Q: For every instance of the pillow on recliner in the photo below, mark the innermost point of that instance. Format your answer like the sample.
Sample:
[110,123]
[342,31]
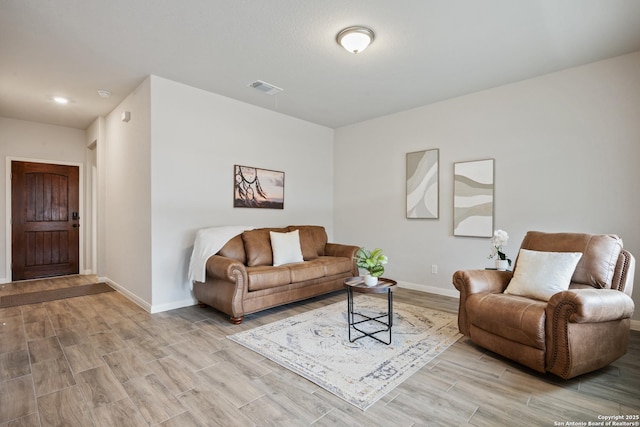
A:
[540,275]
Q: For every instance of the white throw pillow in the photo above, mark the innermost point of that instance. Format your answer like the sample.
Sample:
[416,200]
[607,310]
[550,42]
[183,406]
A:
[285,247]
[539,275]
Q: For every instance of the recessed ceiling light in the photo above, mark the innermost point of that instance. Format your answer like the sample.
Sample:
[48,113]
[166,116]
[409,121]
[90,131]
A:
[61,99]
[104,93]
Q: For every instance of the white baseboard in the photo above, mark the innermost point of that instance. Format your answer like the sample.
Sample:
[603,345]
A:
[144,304]
[173,305]
[130,295]
[4,280]
[635,325]
[430,289]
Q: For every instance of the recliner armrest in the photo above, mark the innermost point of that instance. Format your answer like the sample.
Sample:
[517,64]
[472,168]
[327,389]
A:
[591,305]
[475,281]
[586,329]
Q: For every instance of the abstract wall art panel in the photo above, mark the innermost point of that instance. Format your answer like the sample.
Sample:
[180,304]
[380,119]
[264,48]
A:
[423,184]
[258,188]
[473,198]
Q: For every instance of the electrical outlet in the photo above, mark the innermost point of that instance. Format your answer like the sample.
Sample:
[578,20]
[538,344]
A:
[434,268]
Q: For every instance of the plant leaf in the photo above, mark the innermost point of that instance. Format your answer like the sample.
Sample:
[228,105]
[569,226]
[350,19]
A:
[377,270]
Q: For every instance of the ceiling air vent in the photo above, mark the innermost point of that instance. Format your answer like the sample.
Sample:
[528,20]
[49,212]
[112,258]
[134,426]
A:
[265,87]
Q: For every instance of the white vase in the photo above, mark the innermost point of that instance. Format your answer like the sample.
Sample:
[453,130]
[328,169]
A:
[502,264]
[370,280]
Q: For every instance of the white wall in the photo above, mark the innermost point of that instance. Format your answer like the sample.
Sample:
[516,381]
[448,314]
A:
[566,149]
[197,138]
[124,185]
[34,141]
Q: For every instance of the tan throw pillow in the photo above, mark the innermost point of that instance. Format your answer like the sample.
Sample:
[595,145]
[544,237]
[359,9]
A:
[257,245]
[286,247]
[308,243]
[234,249]
[540,275]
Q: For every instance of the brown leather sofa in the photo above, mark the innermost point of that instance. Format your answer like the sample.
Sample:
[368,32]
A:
[576,331]
[241,278]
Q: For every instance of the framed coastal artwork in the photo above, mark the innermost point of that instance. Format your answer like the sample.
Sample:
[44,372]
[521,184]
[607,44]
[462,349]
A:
[258,188]
[473,188]
[423,188]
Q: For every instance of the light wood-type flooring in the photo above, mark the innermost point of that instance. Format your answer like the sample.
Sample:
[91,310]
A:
[100,360]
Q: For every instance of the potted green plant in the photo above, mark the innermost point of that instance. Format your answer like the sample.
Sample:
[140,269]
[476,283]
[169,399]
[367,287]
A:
[372,261]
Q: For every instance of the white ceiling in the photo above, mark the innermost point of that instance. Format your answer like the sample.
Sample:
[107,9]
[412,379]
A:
[425,51]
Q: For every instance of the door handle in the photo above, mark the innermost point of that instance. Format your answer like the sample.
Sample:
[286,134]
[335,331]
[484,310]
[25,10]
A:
[76,225]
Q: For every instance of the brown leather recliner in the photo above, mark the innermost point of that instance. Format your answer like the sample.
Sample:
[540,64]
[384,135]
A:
[576,331]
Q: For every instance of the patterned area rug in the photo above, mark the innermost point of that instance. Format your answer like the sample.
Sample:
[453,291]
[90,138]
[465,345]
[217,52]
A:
[315,345]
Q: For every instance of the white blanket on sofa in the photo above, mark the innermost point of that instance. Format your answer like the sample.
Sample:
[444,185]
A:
[208,242]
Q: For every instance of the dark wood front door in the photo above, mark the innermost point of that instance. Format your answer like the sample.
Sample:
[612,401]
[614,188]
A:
[45,222]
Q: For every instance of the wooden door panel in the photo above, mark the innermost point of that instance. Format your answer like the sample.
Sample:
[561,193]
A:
[46,197]
[46,247]
[45,234]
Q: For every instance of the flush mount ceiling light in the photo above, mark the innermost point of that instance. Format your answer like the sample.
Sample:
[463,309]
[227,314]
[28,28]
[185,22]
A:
[61,100]
[355,39]
[103,93]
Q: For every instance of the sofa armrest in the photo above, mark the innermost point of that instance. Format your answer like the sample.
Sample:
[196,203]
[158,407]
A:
[347,251]
[475,281]
[223,268]
[336,249]
[225,286]
[590,306]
